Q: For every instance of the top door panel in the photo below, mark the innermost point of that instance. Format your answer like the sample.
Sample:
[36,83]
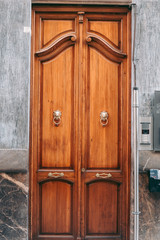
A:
[57,94]
[104,91]
[108,29]
[57,86]
[54,28]
[103,96]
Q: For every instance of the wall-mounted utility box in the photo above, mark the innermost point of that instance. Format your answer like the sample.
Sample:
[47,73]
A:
[146,133]
[157,121]
[154,180]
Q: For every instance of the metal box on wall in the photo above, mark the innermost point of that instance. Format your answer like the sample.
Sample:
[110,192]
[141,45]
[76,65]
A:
[146,133]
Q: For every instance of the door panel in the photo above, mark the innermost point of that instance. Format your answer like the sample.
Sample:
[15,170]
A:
[56,207]
[79,168]
[103,218]
[108,29]
[53,28]
[57,94]
[103,96]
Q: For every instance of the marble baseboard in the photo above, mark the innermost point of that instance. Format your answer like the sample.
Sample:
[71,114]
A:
[150,211]
[149,219]
[14,160]
[13,206]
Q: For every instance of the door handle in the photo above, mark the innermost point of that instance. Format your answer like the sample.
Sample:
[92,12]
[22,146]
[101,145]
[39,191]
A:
[55,175]
[104,118]
[57,117]
[103,175]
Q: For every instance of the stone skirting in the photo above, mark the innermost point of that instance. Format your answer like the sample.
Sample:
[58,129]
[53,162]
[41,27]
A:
[149,219]
[13,206]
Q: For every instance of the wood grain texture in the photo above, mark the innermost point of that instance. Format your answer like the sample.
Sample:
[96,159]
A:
[103,96]
[108,29]
[57,94]
[105,149]
[52,28]
[54,88]
[80,78]
[103,218]
[56,207]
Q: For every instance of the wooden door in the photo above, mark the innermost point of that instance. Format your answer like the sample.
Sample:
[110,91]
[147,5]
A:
[80,123]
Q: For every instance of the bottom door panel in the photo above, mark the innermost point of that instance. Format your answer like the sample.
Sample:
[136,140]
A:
[56,208]
[102,210]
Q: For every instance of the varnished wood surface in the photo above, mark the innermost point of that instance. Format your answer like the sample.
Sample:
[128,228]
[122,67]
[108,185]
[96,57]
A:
[102,219]
[83,8]
[108,30]
[52,28]
[57,94]
[81,66]
[56,196]
[102,141]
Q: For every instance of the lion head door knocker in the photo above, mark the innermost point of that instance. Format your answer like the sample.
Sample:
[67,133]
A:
[57,117]
[104,118]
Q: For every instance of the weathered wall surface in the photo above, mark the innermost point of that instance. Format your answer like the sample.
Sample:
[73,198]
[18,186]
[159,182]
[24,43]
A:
[14,82]
[147,55]
[14,118]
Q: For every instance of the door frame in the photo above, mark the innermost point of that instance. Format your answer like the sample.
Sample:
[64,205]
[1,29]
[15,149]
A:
[120,7]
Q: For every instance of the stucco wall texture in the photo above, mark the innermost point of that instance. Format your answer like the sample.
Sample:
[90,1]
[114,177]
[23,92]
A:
[147,58]
[14,73]
[15,16]
[15,22]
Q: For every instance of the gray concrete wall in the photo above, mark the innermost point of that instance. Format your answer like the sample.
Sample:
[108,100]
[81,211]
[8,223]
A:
[147,55]
[14,83]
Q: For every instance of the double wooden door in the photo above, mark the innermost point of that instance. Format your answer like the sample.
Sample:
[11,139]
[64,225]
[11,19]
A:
[80,123]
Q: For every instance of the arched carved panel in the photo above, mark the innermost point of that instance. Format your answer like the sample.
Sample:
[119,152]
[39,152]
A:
[56,46]
[105,47]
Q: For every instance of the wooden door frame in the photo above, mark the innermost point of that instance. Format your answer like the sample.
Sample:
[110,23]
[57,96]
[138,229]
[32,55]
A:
[123,8]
